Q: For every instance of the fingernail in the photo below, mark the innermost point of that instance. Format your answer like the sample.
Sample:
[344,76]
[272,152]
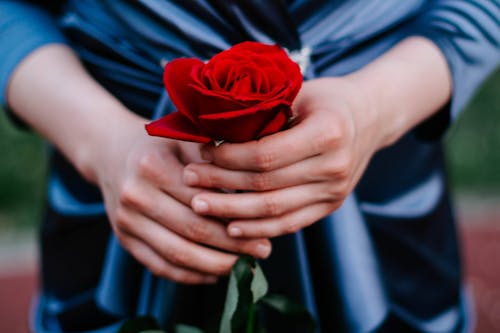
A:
[263,250]
[190,177]
[200,206]
[211,279]
[235,231]
[206,155]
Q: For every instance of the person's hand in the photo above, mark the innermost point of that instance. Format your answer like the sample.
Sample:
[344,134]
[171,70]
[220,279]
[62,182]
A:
[297,175]
[148,206]
[139,176]
[294,177]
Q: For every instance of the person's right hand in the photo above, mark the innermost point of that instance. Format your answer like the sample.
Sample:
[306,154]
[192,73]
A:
[148,206]
[139,176]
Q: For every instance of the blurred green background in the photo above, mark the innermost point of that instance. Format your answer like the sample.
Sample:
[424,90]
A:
[473,150]
[473,144]
[22,176]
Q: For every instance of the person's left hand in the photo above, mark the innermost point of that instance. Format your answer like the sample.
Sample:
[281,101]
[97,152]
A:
[297,176]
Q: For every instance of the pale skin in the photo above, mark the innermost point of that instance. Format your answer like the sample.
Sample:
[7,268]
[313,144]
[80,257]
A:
[170,221]
[295,177]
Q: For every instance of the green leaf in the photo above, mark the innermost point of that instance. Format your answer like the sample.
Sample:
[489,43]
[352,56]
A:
[239,298]
[230,304]
[181,328]
[259,284]
[295,312]
[140,325]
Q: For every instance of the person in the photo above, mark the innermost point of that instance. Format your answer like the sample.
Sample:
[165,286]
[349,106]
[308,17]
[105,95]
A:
[349,206]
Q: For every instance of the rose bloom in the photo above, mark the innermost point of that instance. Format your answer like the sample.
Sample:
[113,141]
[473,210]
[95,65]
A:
[241,94]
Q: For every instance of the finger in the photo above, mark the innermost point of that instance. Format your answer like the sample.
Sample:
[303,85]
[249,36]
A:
[164,171]
[325,167]
[175,249]
[252,205]
[206,231]
[285,224]
[211,176]
[189,152]
[160,267]
[307,138]
[180,219]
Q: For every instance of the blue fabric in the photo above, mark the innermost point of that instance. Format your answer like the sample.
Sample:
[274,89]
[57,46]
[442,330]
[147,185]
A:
[386,261]
[23,28]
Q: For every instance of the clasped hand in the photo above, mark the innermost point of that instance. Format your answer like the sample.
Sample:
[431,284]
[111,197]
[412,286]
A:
[164,201]
[295,177]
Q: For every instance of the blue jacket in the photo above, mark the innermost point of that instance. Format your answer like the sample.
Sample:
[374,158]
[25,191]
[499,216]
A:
[386,261]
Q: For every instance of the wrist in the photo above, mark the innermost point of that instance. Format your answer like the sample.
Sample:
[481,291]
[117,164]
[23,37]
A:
[77,115]
[110,138]
[373,112]
[369,112]
[406,85]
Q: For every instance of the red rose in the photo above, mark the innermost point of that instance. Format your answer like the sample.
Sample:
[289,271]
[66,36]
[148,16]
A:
[241,94]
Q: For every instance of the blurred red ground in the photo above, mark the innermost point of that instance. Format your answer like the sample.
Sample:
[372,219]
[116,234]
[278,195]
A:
[481,250]
[481,246]
[15,297]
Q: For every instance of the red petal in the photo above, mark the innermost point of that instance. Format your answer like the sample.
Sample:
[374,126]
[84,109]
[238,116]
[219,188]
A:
[178,81]
[218,101]
[263,107]
[276,124]
[239,129]
[176,126]
[248,126]
[225,100]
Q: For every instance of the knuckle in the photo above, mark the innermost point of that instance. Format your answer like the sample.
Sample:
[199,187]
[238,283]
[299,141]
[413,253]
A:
[343,190]
[272,206]
[128,194]
[341,173]
[225,209]
[338,191]
[122,221]
[337,130]
[198,231]
[179,257]
[292,227]
[264,159]
[122,239]
[222,156]
[339,168]
[321,142]
[146,165]
[327,139]
[332,193]
[344,166]
[211,179]
[259,181]
[158,270]
[330,171]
